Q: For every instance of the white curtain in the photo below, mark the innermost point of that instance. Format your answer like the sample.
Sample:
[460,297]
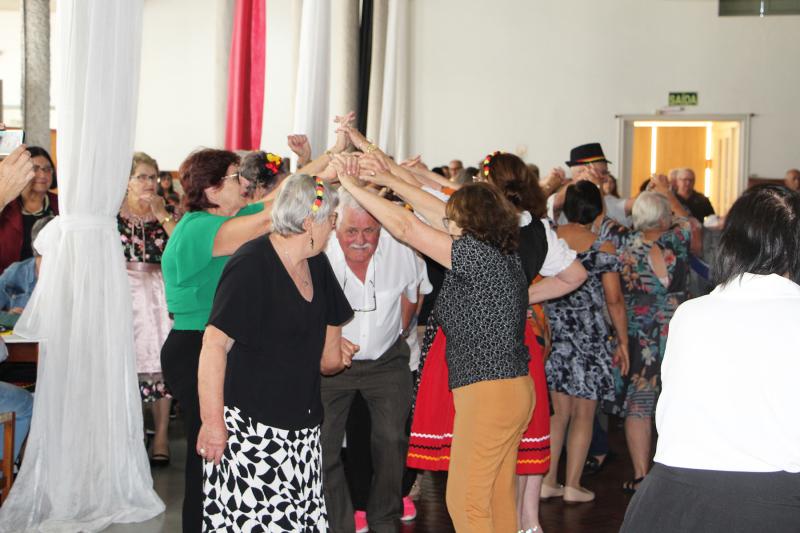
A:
[377,62]
[392,132]
[311,113]
[85,466]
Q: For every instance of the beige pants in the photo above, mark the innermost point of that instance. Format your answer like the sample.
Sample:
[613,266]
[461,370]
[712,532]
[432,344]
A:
[491,417]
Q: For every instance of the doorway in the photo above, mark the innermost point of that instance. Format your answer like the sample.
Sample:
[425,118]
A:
[714,147]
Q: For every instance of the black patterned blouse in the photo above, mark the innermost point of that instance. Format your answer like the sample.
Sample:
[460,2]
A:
[481,308]
[143,238]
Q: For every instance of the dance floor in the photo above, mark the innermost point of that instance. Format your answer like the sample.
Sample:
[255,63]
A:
[604,515]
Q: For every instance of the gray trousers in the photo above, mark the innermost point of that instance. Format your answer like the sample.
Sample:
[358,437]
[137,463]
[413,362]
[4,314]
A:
[385,384]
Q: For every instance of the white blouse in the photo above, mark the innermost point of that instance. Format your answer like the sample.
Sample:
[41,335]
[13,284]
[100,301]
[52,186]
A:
[730,399]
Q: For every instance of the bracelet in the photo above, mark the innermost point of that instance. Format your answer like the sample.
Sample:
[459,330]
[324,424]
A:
[371,147]
[166,219]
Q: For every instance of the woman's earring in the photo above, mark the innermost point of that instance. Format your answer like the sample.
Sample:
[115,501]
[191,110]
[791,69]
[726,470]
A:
[312,242]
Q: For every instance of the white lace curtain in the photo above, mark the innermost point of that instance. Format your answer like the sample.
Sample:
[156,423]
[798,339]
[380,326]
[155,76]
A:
[85,466]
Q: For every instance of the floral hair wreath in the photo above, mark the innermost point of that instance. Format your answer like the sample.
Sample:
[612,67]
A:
[319,193]
[273,163]
[487,163]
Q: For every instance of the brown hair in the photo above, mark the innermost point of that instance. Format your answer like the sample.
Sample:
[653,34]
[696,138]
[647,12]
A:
[203,169]
[513,177]
[141,158]
[481,210]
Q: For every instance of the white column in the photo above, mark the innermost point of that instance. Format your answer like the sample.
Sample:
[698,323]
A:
[36,72]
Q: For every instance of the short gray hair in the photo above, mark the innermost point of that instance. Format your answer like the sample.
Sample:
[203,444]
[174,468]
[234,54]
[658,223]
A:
[346,200]
[293,205]
[650,211]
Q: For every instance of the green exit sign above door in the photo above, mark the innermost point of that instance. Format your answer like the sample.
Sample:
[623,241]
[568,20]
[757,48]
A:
[682,99]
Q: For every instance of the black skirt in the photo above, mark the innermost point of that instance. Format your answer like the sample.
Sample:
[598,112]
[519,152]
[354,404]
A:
[706,501]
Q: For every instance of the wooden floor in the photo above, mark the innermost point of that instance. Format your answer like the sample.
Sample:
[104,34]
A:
[604,515]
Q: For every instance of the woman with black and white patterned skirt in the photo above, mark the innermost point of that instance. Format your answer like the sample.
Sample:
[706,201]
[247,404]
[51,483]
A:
[274,326]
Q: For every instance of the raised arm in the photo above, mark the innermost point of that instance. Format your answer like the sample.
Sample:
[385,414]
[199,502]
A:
[660,184]
[16,171]
[299,145]
[432,179]
[427,205]
[402,223]
[342,140]
[213,435]
[236,231]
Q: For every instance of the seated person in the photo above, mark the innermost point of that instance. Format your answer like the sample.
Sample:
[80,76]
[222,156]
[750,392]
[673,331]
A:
[20,402]
[20,214]
[18,280]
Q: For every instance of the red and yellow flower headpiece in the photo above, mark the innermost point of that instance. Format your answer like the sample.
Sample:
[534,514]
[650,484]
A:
[487,163]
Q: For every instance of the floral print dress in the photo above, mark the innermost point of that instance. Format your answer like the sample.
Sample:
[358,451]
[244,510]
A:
[143,241]
[650,303]
[580,360]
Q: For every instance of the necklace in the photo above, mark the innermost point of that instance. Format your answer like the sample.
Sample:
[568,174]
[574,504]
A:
[294,273]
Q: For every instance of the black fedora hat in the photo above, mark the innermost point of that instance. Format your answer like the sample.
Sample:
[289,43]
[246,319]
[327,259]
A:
[585,154]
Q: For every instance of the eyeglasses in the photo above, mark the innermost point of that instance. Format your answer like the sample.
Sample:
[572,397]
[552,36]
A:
[235,175]
[141,178]
[371,284]
[46,169]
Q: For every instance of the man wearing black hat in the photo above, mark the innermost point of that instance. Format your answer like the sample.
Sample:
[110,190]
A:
[588,162]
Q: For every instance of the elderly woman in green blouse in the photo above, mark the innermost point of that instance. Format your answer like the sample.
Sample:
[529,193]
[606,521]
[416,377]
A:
[217,222]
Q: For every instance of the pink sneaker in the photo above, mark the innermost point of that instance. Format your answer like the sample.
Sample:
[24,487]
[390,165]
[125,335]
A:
[360,518]
[409,510]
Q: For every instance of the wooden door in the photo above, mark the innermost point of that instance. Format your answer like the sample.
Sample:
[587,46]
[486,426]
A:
[725,166]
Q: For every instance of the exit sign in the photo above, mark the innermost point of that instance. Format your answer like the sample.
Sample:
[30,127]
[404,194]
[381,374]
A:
[682,99]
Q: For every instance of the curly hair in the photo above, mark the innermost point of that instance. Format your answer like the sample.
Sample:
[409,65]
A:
[483,212]
[204,168]
[518,183]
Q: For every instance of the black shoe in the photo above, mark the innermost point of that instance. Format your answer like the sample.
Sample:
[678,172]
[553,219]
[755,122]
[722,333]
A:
[594,466]
[629,487]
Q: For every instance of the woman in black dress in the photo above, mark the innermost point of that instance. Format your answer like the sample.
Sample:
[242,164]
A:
[275,324]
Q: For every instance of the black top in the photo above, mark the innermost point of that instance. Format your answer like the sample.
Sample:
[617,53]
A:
[532,248]
[481,308]
[698,205]
[28,221]
[436,273]
[272,373]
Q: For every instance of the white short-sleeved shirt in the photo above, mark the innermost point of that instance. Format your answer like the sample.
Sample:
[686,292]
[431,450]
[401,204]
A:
[392,272]
[559,254]
[730,399]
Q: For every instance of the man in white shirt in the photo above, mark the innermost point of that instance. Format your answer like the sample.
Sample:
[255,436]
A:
[380,278]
